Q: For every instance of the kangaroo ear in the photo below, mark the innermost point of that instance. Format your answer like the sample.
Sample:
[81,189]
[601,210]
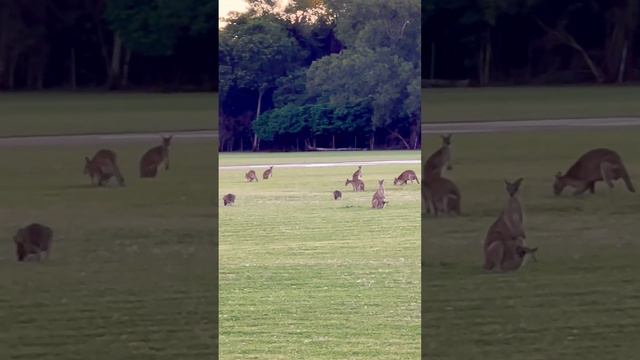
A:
[559,175]
[518,181]
[506,182]
[87,159]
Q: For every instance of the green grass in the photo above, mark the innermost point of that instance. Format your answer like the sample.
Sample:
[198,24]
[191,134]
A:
[131,274]
[580,300]
[248,158]
[61,113]
[521,103]
[305,277]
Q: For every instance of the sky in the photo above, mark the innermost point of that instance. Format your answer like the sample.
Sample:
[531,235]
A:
[227,6]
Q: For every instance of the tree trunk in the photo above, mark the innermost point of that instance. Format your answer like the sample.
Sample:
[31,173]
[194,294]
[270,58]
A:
[125,68]
[114,69]
[333,141]
[623,62]
[72,70]
[484,65]
[395,133]
[371,141]
[255,136]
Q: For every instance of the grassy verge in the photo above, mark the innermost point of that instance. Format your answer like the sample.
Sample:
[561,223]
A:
[305,277]
[522,103]
[579,301]
[25,114]
[131,269]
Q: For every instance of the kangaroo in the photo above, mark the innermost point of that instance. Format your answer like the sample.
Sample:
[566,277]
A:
[504,244]
[251,176]
[358,185]
[103,167]
[358,174]
[154,157]
[33,239]
[512,214]
[441,159]
[380,190]
[407,175]
[593,166]
[377,201]
[441,195]
[229,199]
[337,195]
[267,173]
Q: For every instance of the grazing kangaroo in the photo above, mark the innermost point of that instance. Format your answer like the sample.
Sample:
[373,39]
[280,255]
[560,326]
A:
[33,239]
[337,195]
[407,175]
[229,199]
[593,166]
[441,195]
[441,159]
[103,167]
[154,157]
[504,244]
[251,176]
[358,174]
[358,185]
[267,173]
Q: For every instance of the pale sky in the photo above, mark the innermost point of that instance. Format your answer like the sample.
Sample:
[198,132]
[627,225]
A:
[227,6]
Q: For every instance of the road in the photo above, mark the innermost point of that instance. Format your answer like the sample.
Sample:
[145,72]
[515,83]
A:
[529,125]
[104,138]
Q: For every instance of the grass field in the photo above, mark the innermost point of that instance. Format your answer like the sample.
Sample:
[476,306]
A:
[579,301]
[521,103]
[131,274]
[305,277]
[80,113]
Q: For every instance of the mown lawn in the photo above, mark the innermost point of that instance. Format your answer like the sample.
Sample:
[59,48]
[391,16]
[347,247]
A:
[579,301]
[522,103]
[131,274]
[62,113]
[305,277]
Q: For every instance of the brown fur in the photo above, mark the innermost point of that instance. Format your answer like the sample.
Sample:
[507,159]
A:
[337,195]
[251,176]
[357,174]
[593,166]
[229,199]
[103,167]
[504,245]
[154,157]
[267,173]
[358,185]
[439,160]
[407,175]
[33,239]
[441,195]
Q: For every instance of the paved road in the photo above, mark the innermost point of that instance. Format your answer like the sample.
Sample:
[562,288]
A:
[316,165]
[529,125]
[104,138]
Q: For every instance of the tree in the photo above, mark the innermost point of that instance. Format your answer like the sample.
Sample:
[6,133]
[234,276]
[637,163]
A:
[254,54]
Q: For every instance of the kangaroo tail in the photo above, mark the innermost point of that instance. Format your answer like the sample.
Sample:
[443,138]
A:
[625,176]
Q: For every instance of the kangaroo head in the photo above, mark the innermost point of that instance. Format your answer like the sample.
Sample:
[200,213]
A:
[166,141]
[446,140]
[395,181]
[380,182]
[348,182]
[558,184]
[512,188]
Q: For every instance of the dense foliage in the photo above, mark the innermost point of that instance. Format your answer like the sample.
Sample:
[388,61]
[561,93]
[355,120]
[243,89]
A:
[160,44]
[531,41]
[321,74]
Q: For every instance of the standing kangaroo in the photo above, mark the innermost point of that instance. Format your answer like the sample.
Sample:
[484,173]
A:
[358,185]
[593,166]
[229,199]
[251,176]
[103,167]
[33,239]
[441,159]
[377,201]
[358,174]
[267,173]
[407,175]
[154,157]
[504,244]
[441,195]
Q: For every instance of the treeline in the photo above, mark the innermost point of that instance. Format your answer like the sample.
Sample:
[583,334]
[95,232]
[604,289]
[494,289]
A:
[321,74]
[150,44]
[531,41]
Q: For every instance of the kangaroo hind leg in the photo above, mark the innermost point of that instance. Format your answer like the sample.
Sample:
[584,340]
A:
[607,170]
